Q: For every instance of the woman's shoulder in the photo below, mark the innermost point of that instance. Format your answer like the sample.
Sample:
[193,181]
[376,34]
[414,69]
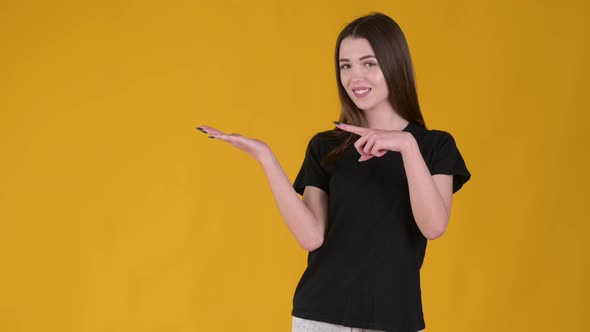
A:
[439,134]
[330,136]
[438,141]
[431,135]
[325,141]
[432,139]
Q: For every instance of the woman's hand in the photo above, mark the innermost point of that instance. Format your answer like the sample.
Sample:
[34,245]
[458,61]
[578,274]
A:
[376,142]
[253,147]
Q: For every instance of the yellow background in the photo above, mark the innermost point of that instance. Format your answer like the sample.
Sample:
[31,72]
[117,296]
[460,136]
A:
[117,215]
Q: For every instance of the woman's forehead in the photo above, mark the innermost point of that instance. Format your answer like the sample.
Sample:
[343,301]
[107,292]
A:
[355,48]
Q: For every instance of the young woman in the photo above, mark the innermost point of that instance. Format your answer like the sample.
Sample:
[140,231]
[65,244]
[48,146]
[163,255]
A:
[375,189]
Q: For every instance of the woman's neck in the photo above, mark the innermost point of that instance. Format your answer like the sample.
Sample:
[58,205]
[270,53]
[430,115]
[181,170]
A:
[384,118]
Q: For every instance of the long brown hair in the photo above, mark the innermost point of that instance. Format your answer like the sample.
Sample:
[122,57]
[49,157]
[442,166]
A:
[393,54]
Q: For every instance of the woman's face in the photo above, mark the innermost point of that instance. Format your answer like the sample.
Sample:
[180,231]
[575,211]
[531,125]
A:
[361,75]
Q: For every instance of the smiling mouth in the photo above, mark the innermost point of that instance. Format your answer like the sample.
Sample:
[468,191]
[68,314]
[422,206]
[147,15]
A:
[360,93]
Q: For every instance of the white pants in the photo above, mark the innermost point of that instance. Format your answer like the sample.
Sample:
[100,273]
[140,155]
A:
[306,325]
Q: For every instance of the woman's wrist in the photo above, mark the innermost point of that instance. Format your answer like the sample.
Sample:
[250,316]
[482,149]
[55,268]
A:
[410,145]
[265,157]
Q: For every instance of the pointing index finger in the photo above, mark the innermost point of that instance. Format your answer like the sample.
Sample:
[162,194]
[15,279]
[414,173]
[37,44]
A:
[350,128]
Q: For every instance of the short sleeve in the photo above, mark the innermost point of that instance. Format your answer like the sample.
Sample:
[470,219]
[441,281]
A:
[311,172]
[446,159]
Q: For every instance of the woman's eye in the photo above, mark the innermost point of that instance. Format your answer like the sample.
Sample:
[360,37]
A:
[370,64]
[345,66]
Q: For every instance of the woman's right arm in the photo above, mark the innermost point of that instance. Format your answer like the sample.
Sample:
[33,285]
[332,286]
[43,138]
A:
[306,219]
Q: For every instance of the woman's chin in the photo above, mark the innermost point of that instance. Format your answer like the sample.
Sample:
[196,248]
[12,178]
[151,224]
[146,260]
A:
[363,107]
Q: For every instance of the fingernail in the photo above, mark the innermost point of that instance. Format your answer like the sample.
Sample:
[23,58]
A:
[200,129]
[336,122]
[211,137]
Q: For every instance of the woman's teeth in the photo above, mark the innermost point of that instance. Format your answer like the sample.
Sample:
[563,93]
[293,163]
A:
[362,92]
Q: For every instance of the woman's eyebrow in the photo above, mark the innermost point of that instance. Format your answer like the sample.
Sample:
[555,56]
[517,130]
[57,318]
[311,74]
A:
[361,58]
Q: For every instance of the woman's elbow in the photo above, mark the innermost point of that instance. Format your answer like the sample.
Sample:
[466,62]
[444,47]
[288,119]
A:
[312,244]
[435,232]
[434,235]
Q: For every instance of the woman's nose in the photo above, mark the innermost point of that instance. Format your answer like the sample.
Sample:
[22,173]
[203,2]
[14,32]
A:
[357,73]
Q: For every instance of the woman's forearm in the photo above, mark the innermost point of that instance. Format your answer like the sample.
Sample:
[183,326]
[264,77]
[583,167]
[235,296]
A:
[298,217]
[428,206]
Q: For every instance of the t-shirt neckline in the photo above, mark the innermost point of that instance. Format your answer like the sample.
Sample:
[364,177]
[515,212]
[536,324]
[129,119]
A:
[407,128]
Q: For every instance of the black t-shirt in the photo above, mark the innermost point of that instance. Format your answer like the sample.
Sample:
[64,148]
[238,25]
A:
[366,274]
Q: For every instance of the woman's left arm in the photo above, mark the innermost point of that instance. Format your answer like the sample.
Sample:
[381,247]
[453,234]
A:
[431,196]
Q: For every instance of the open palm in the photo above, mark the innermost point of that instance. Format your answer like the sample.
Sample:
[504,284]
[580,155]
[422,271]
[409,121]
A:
[255,148]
